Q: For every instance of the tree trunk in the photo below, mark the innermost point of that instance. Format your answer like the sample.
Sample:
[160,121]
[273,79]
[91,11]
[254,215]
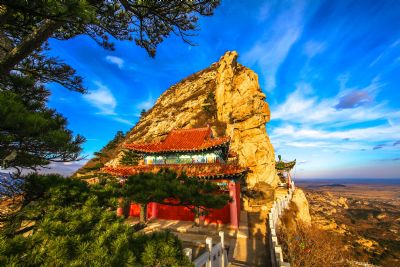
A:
[143,213]
[32,42]
[197,216]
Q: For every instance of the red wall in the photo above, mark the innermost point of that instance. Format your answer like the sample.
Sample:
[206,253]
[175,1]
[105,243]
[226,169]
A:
[134,210]
[181,213]
[174,213]
[220,216]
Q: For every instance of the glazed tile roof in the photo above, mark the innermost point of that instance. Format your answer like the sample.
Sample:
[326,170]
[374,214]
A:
[182,140]
[206,170]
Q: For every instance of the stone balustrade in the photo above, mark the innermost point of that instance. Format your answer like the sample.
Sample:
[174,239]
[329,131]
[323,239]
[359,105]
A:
[275,213]
[215,256]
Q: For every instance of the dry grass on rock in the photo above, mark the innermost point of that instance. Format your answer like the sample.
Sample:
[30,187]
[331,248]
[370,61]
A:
[309,246]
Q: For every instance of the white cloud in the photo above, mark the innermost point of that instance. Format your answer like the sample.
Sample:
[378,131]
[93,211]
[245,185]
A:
[125,121]
[116,60]
[105,102]
[370,134]
[387,53]
[63,168]
[271,51]
[313,48]
[302,144]
[303,107]
[102,99]
[310,122]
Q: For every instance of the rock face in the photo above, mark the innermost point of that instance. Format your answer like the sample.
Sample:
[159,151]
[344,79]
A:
[302,209]
[225,96]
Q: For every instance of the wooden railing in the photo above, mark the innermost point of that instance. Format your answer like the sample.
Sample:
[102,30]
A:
[277,210]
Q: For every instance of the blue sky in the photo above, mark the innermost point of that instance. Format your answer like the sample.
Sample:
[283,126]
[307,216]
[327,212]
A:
[330,70]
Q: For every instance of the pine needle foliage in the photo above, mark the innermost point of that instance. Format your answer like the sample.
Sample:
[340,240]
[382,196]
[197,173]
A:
[198,195]
[35,134]
[28,24]
[130,158]
[74,224]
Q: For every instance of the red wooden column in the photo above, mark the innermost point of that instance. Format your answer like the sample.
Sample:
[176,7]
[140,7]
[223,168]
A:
[238,200]
[234,205]
[154,210]
[133,209]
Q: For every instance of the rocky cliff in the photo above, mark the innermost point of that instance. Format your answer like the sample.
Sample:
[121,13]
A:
[225,96]
[302,211]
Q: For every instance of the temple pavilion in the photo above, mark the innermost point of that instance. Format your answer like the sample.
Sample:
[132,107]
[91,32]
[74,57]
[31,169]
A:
[283,169]
[199,154]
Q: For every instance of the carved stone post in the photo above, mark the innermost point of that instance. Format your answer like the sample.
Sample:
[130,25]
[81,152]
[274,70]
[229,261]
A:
[222,236]
[209,248]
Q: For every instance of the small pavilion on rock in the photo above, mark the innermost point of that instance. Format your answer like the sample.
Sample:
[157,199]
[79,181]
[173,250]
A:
[199,154]
[283,170]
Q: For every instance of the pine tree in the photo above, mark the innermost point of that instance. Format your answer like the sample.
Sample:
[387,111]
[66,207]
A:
[29,131]
[69,225]
[118,138]
[197,195]
[144,188]
[148,22]
[130,158]
[142,113]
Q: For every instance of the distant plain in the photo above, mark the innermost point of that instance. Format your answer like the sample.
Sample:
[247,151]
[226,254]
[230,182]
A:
[366,212]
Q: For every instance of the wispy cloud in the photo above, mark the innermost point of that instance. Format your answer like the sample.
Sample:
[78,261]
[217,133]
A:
[146,104]
[116,60]
[377,133]
[303,162]
[342,122]
[388,53]
[272,49]
[63,168]
[348,107]
[102,99]
[380,146]
[264,12]
[354,99]
[313,48]
[124,121]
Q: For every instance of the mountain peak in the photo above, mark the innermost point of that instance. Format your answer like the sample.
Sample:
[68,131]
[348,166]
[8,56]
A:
[225,96]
